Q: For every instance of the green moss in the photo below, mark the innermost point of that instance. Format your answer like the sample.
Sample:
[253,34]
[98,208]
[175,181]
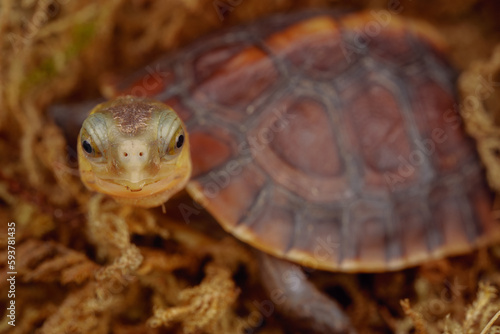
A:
[42,73]
[82,35]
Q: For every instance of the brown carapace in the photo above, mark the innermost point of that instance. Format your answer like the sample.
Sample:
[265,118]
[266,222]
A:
[332,141]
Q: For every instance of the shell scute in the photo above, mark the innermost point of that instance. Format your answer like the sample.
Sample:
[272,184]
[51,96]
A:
[211,148]
[240,185]
[448,213]
[441,139]
[272,222]
[369,233]
[322,238]
[412,217]
[301,144]
[221,90]
[300,156]
[382,135]
[311,46]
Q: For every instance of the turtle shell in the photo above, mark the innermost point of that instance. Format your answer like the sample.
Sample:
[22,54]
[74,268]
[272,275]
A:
[333,141]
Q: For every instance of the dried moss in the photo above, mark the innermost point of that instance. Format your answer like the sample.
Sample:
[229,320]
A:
[88,265]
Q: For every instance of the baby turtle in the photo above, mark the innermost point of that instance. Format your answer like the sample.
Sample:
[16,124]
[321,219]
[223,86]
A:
[331,141]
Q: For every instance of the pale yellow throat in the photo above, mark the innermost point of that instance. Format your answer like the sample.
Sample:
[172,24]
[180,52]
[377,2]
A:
[135,150]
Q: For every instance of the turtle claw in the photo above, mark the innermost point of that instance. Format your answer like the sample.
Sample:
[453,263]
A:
[299,300]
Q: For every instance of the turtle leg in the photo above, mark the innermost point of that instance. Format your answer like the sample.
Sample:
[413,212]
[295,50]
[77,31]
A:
[299,300]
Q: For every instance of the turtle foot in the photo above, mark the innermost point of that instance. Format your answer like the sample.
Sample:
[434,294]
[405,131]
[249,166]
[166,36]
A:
[299,301]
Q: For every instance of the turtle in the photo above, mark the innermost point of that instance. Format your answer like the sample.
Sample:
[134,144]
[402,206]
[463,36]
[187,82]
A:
[327,139]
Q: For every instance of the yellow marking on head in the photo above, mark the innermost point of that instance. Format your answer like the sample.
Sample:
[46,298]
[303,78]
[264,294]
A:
[135,150]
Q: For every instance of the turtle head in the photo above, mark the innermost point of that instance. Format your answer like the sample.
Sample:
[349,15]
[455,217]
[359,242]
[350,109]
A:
[135,150]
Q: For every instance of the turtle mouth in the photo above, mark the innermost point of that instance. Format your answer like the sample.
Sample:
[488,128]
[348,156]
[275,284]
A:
[123,188]
[134,189]
[139,189]
[134,186]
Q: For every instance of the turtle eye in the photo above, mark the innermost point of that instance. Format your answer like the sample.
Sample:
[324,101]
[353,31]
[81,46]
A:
[176,142]
[170,134]
[179,141]
[93,136]
[89,146]
[170,147]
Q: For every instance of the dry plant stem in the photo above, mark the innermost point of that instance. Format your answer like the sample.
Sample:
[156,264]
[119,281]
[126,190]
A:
[6,6]
[482,309]
[204,307]
[490,323]
[479,318]
[479,121]
[415,317]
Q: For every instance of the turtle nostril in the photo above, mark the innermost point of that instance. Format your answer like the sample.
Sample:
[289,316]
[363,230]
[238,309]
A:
[140,154]
[125,154]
